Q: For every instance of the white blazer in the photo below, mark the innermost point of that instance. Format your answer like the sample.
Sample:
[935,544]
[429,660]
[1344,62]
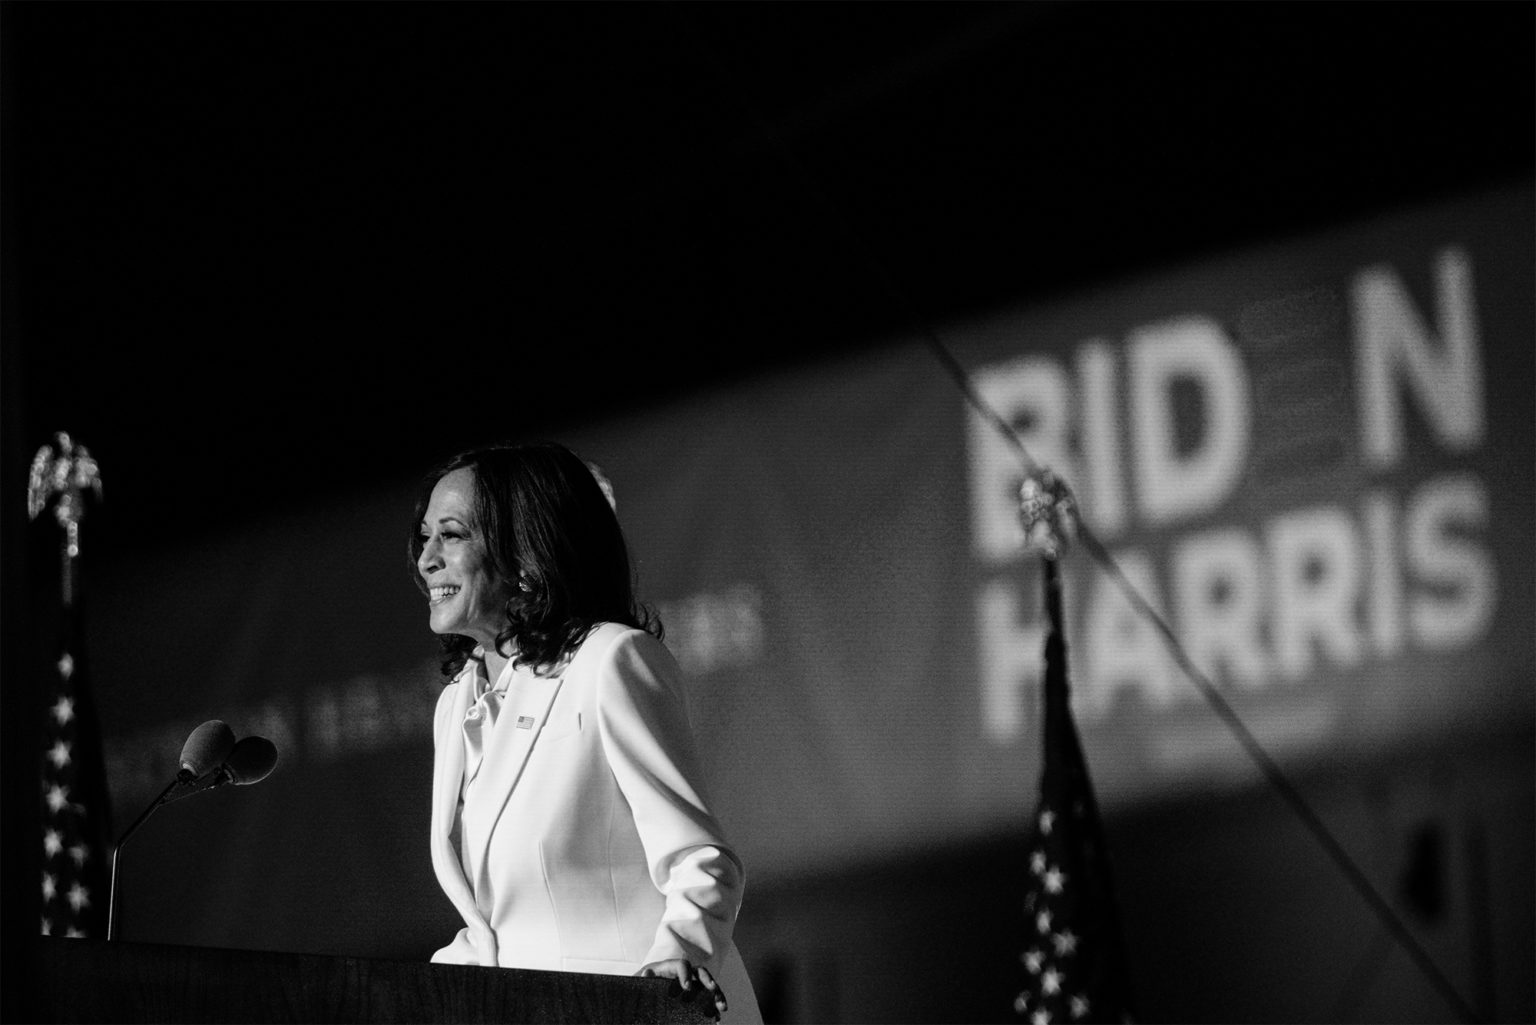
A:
[589,843]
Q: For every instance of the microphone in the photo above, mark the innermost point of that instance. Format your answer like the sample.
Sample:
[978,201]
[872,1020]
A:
[252,761]
[210,758]
[208,746]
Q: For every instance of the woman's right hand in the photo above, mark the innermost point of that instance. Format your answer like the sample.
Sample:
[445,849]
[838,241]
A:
[685,974]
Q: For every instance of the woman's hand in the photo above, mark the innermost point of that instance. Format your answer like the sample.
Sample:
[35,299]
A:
[686,976]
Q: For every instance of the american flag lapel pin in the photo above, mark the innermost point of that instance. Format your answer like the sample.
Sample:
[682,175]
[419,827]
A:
[525,722]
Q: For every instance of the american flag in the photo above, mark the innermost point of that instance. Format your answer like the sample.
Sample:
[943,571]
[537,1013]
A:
[1072,959]
[75,813]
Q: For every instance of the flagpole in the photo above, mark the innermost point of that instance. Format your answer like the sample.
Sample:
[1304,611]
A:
[1074,967]
[72,783]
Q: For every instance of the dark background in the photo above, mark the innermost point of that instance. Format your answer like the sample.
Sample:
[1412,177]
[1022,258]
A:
[257,253]
[268,237]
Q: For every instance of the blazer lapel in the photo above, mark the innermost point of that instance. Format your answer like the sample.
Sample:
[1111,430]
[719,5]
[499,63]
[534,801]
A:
[448,772]
[503,764]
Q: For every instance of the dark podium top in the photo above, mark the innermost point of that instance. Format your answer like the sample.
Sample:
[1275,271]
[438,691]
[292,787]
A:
[96,981]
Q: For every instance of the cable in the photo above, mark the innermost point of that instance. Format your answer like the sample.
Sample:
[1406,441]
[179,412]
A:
[1277,779]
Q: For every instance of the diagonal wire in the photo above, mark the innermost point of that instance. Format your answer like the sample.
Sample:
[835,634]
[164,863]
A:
[1250,744]
[1277,779]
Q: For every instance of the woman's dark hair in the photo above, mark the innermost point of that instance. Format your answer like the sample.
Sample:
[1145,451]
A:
[545,522]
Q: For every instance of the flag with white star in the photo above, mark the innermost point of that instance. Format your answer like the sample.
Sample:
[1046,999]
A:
[75,814]
[1072,960]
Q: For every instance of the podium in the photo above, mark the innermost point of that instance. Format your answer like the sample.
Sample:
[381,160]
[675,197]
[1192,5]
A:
[95,981]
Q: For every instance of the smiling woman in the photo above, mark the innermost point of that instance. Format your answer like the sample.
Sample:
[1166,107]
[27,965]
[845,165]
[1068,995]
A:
[567,720]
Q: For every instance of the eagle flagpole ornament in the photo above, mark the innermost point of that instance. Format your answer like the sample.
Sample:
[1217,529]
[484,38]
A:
[74,793]
[1048,513]
[63,477]
[1072,958]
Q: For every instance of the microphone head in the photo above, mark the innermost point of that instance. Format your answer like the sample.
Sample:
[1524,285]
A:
[206,749]
[251,761]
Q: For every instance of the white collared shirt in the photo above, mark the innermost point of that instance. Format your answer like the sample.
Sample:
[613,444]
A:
[480,718]
[479,733]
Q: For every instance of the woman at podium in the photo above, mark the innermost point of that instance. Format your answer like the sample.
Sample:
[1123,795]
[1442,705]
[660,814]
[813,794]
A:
[570,825]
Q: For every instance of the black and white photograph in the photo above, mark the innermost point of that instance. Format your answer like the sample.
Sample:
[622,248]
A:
[768,512]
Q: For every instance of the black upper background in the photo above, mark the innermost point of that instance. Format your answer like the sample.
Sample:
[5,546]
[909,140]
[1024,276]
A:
[257,252]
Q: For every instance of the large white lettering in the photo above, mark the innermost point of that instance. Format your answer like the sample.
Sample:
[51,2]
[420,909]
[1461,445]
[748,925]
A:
[1455,603]
[1393,347]
[1316,567]
[1011,651]
[1173,484]
[1308,592]
[1385,607]
[1124,650]
[1099,416]
[1217,578]
[1074,428]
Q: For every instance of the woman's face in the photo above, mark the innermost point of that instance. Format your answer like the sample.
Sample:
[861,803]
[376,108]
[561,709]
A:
[465,594]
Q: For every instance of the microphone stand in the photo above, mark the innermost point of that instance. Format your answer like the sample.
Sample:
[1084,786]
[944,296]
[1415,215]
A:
[184,785]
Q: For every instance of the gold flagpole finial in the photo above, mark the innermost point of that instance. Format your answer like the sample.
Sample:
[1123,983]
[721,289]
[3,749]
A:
[62,474]
[1047,512]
